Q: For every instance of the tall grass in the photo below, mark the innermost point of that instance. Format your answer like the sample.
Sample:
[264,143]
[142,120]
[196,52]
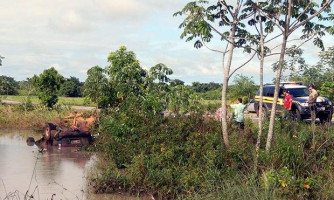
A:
[77,101]
[182,157]
[16,117]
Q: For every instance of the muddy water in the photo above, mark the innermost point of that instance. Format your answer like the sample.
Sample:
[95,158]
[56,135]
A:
[60,174]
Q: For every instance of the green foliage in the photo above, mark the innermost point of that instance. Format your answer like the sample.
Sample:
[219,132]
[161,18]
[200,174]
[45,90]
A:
[124,79]
[205,87]
[26,87]
[97,88]
[71,87]
[182,99]
[181,157]
[47,85]
[327,90]
[203,19]
[125,74]
[309,74]
[156,88]
[160,72]
[8,86]
[28,117]
[176,82]
[152,160]
[212,94]
[321,75]
[244,87]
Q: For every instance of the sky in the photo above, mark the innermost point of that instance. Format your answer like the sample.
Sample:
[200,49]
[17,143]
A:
[75,35]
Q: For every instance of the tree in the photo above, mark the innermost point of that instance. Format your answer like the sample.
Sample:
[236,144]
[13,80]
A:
[310,74]
[26,87]
[205,87]
[71,87]
[47,85]
[226,21]
[125,74]
[156,85]
[243,87]
[327,90]
[8,86]
[160,72]
[176,82]
[97,87]
[327,60]
[289,16]
[182,99]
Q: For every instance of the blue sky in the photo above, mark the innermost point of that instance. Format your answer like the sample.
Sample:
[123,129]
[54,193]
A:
[73,36]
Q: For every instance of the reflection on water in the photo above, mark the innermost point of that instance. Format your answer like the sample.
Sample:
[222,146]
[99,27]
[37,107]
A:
[57,173]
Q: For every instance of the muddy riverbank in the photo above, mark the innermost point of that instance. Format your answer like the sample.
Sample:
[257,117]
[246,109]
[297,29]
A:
[61,174]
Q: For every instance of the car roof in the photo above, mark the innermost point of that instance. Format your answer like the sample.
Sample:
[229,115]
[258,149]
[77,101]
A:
[287,86]
[294,86]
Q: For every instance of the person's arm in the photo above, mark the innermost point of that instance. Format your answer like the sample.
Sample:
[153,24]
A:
[290,103]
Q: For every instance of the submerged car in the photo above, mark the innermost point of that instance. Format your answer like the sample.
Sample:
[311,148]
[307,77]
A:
[64,135]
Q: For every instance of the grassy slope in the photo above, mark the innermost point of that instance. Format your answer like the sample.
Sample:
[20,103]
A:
[15,117]
[78,101]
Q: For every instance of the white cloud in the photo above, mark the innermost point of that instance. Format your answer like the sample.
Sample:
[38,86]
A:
[78,34]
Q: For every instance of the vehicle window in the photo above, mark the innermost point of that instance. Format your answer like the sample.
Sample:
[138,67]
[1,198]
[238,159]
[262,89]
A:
[298,92]
[280,94]
[265,91]
[270,91]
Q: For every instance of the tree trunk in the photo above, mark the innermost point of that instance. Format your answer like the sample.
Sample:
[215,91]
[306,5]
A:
[258,142]
[277,83]
[227,68]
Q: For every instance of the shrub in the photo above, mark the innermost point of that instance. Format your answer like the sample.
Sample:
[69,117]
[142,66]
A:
[182,157]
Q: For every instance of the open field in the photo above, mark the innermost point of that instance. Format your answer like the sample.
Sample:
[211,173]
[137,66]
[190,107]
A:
[78,101]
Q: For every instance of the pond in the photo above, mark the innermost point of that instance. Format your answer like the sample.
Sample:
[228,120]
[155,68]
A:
[52,174]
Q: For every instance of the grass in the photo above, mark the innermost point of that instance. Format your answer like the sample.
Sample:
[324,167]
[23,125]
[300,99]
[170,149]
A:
[78,101]
[15,117]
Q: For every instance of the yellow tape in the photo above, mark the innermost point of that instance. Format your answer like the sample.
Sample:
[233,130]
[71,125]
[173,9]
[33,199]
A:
[269,100]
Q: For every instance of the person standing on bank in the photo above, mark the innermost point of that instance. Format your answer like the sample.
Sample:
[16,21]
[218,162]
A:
[238,113]
[287,102]
[312,99]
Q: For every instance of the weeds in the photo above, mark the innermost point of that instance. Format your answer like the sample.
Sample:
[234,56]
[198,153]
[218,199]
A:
[18,117]
[181,157]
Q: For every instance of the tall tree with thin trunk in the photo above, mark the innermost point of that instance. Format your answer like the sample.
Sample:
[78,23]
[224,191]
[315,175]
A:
[289,16]
[263,31]
[258,19]
[226,21]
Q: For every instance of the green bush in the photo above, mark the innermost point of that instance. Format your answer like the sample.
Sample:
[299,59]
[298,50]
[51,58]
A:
[182,157]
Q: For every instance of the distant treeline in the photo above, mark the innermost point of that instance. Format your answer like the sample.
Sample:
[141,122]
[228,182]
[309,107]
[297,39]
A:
[70,87]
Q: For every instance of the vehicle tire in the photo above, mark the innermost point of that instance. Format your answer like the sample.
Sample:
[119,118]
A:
[296,115]
[84,141]
[325,118]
